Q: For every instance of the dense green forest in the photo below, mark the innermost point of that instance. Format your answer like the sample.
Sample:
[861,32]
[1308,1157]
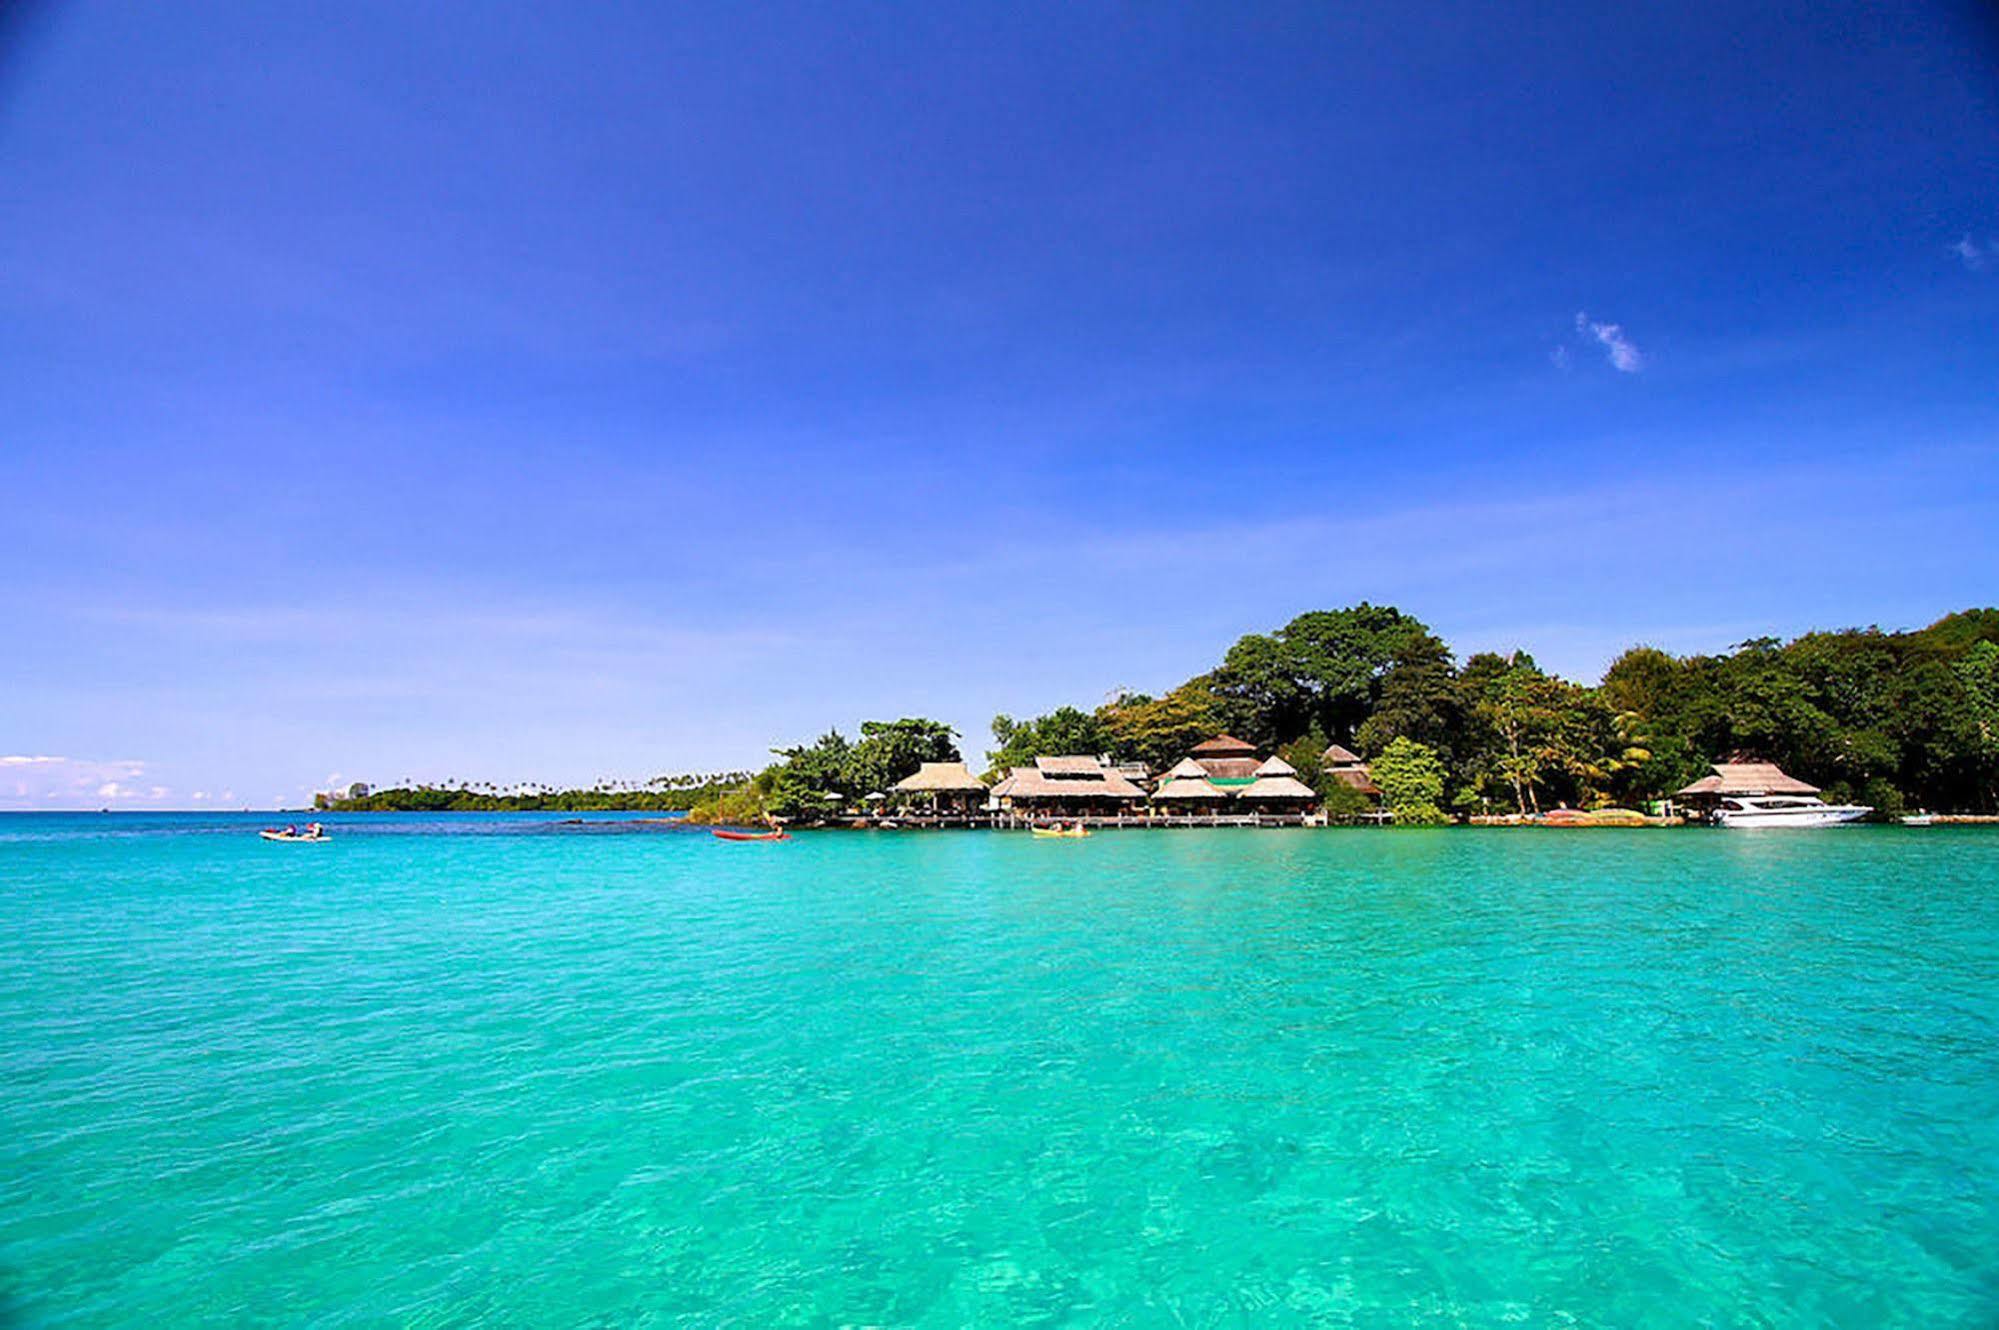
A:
[1890,719]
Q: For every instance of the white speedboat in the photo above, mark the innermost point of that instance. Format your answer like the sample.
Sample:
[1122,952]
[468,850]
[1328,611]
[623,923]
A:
[1786,810]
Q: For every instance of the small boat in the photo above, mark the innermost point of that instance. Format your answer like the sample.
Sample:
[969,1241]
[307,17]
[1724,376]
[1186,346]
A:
[1061,833]
[1786,810]
[297,836]
[1601,817]
[721,834]
[1920,819]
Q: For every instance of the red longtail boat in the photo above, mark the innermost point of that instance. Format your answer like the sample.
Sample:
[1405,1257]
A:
[752,835]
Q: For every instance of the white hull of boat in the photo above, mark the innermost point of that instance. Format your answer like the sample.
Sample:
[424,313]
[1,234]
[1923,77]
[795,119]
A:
[1827,815]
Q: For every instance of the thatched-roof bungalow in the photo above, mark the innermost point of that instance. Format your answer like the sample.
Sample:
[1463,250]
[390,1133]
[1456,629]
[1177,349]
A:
[1189,794]
[1277,789]
[1069,786]
[1344,765]
[947,787]
[1735,779]
[1226,760]
[1225,774]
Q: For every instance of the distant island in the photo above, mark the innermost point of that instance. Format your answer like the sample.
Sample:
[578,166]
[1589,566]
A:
[665,794]
[1369,714]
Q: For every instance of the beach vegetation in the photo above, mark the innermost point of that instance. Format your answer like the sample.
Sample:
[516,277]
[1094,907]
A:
[1065,730]
[813,782]
[1341,802]
[1411,777]
[1158,731]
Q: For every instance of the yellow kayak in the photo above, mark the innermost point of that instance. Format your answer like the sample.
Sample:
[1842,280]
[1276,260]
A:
[1049,833]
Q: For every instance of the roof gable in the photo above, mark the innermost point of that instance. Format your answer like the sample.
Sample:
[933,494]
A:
[1731,778]
[1230,768]
[943,778]
[1279,787]
[1070,765]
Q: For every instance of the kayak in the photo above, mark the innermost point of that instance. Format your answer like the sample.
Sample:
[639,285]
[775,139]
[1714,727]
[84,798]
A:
[752,835]
[288,836]
[1074,833]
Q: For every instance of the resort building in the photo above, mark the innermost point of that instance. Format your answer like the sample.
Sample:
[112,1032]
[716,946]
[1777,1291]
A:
[1344,765]
[1224,776]
[1277,789]
[1737,779]
[1226,761]
[1135,772]
[1071,786]
[1187,789]
[944,787]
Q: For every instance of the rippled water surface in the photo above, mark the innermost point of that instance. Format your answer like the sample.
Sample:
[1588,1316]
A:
[460,1071]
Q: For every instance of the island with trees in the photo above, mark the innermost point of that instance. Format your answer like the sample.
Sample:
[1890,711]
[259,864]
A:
[1897,720]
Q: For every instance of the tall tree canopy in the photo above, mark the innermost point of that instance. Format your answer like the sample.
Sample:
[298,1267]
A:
[1159,730]
[1325,668]
[1063,730]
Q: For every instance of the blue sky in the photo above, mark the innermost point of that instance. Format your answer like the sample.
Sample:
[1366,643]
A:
[558,392]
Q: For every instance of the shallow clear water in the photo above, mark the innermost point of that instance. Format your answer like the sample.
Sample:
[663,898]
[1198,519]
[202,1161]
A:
[482,1070]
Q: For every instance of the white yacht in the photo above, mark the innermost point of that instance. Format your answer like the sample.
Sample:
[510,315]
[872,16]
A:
[1785,810]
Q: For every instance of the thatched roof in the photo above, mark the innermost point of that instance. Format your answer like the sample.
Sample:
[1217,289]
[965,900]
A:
[1035,783]
[1188,787]
[1336,756]
[1356,776]
[1739,778]
[1224,745]
[1279,787]
[942,778]
[1230,768]
[1276,766]
[1187,766]
[1068,766]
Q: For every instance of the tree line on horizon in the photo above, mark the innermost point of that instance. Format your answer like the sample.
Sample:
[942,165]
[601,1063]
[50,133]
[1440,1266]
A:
[1891,719]
[666,794]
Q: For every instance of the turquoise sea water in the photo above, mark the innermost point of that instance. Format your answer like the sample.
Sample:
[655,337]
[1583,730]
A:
[488,1071]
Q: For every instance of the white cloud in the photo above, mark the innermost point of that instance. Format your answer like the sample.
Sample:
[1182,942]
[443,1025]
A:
[77,782]
[1559,358]
[1622,352]
[1969,253]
